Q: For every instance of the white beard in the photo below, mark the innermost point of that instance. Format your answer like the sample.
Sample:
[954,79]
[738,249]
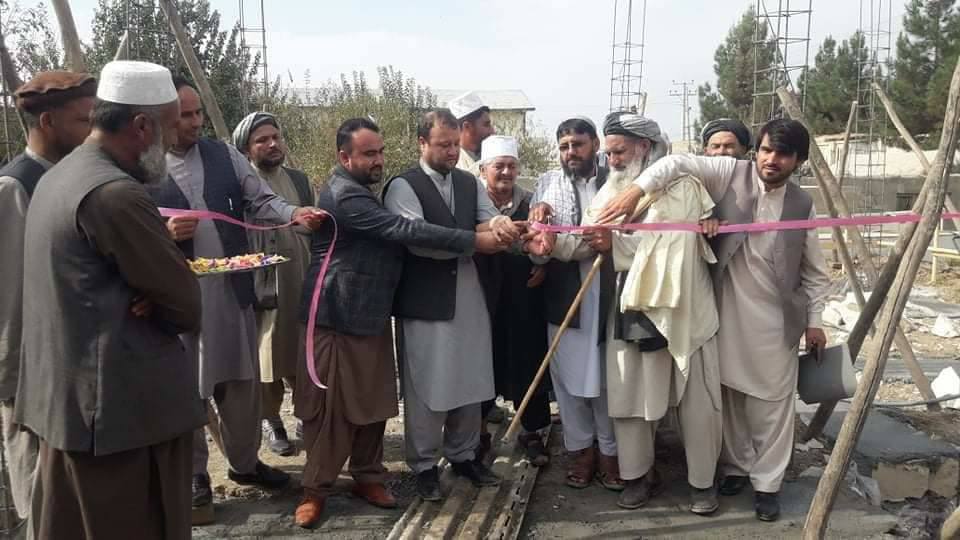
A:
[153,164]
[621,179]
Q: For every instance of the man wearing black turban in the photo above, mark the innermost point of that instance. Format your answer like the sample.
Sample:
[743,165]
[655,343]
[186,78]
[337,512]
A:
[725,137]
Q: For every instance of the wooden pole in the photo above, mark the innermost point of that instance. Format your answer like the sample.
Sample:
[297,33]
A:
[11,80]
[554,345]
[841,174]
[837,207]
[196,70]
[123,50]
[912,143]
[829,485]
[72,48]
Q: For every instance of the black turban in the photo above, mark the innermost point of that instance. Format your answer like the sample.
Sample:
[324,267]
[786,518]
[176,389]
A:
[734,126]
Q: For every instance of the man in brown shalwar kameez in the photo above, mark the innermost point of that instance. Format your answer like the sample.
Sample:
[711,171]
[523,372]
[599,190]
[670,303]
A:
[353,353]
[277,289]
[105,382]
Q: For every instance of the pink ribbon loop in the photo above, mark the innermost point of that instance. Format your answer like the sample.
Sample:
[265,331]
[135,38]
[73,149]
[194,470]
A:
[317,286]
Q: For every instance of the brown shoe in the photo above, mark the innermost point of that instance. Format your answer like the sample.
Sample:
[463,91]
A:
[581,465]
[309,511]
[608,472]
[639,492]
[375,493]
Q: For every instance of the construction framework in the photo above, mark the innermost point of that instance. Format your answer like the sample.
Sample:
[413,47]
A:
[626,65]
[784,26]
[134,12]
[9,145]
[253,41]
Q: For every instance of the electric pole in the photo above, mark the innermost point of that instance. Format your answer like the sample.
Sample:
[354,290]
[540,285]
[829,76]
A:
[685,92]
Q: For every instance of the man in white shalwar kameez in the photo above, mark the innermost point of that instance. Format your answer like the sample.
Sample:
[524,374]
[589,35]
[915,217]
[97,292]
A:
[770,289]
[665,280]
[447,351]
[577,369]
[226,348]
[473,115]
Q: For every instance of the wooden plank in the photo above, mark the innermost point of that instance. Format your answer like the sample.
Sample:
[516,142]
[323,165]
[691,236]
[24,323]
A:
[196,70]
[72,49]
[853,422]
[123,50]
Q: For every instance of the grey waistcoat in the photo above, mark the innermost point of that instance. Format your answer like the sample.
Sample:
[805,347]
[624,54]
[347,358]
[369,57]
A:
[93,377]
[738,205]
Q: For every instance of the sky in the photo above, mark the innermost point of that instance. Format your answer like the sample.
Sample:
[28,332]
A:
[557,51]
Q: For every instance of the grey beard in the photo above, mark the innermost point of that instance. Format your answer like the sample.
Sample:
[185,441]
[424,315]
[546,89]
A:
[628,174]
[153,164]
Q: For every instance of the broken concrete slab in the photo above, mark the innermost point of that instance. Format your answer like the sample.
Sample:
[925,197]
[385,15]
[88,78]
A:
[904,461]
[947,383]
[945,327]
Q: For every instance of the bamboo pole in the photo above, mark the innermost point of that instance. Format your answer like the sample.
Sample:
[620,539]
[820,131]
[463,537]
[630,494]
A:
[912,143]
[196,70]
[837,207]
[515,423]
[841,174]
[72,48]
[829,485]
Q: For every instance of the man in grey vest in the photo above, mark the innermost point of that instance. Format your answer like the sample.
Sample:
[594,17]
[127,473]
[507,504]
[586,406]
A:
[770,290]
[207,174]
[447,358]
[56,107]
[277,288]
[105,383]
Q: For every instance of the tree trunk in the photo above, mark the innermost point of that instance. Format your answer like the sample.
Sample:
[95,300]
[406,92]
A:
[72,48]
[829,485]
[196,70]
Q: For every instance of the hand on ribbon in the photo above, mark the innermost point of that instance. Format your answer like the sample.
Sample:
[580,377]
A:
[600,239]
[182,227]
[541,212]
[309,217]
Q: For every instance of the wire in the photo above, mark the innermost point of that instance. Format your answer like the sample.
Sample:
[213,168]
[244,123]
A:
[914,403]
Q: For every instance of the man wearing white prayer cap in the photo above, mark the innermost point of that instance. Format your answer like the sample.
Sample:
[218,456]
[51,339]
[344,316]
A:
[105,383]
[512,285]
[473,116]
[207,174]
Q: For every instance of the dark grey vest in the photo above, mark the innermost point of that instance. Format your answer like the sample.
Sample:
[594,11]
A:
[738,205]
[222,193]
[428,287]
[99,379]
[26,170]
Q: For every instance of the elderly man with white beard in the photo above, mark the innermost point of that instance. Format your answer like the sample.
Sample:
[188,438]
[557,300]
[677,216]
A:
[661,346]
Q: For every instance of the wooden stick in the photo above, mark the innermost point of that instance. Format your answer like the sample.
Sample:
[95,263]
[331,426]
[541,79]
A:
[841,174]
[837,207]
[554,345]
[72,48]
[196,70]
[123,50]
[829,485]
[11,79]
[911,142]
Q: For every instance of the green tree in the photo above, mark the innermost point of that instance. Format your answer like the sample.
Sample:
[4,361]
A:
[310,119]
[831,84]
[31,39]
[926,55]
[229,68]
[734,64]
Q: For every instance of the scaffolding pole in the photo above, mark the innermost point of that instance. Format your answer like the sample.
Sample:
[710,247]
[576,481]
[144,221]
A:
[784,27]
[626,65]
[253,41]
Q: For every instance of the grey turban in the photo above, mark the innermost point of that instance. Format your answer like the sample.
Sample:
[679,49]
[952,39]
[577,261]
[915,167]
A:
[738,128]
[634,125]
[241,135]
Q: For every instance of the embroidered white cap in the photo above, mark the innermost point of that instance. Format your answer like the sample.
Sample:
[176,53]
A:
[464,104]
[136,83]
[496,146]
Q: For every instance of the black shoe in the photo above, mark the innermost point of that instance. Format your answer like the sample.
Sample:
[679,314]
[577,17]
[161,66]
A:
[428,485]
[277,440]
[264,476]
[476,472]
[703,502]
[496,415]
[202,494]
[638,492]
[733,485]
[767,505]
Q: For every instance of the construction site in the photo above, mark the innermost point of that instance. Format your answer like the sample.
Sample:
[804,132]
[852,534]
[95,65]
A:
[884,463]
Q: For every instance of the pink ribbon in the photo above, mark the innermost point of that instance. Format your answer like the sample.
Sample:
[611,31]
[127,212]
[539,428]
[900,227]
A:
[317,286]
[817,223]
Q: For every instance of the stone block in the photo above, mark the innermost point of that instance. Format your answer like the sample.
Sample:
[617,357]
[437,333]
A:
[898,481]
[947,383]
[946,478]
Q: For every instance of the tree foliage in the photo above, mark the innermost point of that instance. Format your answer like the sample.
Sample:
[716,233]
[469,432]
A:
[229,68]
[735,61]
[29,36]
[927,51]
[831,84]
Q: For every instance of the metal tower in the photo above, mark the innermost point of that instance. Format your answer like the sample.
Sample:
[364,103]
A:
[626,65]
[784,27]
[686,90]
[253,41]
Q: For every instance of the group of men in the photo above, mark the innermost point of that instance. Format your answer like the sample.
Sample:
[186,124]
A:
[114,356]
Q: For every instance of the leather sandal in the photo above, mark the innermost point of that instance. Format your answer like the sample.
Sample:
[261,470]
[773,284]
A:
[608,472]
[581,468]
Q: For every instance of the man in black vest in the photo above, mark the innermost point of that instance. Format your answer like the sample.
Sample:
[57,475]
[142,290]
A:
[56,107]
[277,288]
[206,174]
[446,345]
